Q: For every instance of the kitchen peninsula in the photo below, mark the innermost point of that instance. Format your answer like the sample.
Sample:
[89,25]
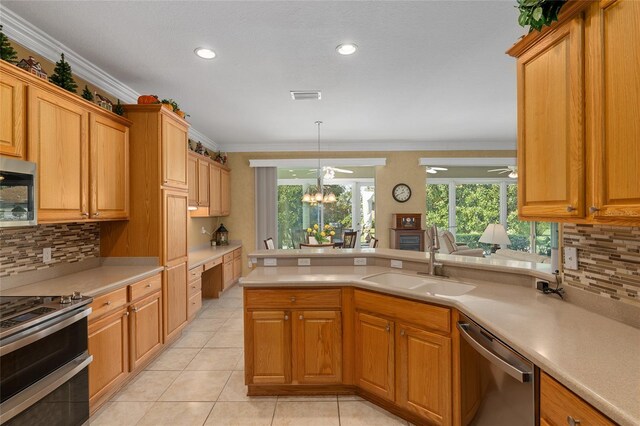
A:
[305,327]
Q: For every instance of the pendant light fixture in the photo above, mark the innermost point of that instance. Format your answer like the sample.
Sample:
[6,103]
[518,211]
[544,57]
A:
[319,197]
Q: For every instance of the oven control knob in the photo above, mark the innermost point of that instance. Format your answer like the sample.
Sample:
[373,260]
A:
[64,300]
[76,295]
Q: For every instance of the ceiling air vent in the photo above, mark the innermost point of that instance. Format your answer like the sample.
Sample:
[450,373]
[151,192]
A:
[305,95]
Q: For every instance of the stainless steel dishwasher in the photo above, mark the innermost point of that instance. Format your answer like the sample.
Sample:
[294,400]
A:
[497,383]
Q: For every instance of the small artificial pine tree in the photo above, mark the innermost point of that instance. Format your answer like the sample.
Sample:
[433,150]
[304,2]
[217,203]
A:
[86,93]
[118,108]
[7,52]
[62,76]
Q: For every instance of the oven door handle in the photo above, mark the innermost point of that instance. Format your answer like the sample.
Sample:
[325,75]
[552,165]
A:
[45,329]
[493,357]
[43,387]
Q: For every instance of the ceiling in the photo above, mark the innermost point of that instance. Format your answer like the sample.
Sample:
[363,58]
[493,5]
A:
[427,75]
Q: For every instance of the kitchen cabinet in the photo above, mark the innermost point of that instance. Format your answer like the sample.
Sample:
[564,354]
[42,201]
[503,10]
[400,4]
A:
[174,299]
[192,178]
[287,328]
[227,271]
[219,190]
[237,264]
[175,205]
[13,120]
[145,321]
[174,151]
[225,192]
[559,406]
[194,291]
[203,182]
[375,355]
[199,181]
[578,97]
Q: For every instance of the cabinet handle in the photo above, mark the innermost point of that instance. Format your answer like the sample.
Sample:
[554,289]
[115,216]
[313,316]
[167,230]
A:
[293,299]
[402,332]
[388,328]
[193,286]
[134,309]
[594,209]
[572,422]
[301,317]
[126,314]
[84,214]
[108,302]
[96,214]
[286,317]
[148,285]
[570,209]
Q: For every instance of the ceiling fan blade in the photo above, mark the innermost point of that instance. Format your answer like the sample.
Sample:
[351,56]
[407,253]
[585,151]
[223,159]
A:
[433,172]
[438,168]
[498,170]
[342,170]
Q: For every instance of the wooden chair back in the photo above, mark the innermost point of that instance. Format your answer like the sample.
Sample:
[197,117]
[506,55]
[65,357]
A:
[349,239]
[268,244]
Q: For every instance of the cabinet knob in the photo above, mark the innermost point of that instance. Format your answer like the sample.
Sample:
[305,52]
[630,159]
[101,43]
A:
[126,314]
[108,302]
[594,209]
[388,328]
[301,317]
[96,214]
[402,332]
[570,208]
[148,285]
[286,317]
[84,214]
[293,299]
[572,422]
[134,309]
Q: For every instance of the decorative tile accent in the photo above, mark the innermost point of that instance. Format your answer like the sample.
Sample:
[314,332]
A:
[608,260]
[21,248]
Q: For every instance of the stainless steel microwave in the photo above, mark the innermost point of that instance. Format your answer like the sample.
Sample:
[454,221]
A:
[18,191]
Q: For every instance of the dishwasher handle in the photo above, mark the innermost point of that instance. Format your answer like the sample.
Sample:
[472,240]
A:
[497,360]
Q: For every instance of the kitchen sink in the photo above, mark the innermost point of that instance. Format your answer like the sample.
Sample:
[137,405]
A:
[418,284]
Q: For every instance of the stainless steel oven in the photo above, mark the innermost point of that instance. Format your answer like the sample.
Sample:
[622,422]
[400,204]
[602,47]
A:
[498,385]
[44,360]
[18,192]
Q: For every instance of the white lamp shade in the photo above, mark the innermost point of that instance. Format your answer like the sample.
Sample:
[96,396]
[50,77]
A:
[495,234]
[306,198]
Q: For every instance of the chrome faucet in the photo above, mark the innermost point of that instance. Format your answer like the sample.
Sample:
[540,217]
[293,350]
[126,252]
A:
[433,247]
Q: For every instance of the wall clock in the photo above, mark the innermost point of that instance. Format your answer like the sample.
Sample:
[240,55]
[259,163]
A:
[401,192]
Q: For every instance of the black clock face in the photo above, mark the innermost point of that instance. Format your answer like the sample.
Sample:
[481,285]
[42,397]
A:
[401,192]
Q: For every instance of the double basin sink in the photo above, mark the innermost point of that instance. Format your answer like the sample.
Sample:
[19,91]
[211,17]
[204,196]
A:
[421,284]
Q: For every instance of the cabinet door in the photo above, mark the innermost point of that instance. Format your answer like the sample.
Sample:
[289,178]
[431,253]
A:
[108,340]
[175,226]
[227,274]
[317,347]
[203,183]
[215,194]
[174,299]
[225,192]
[58,143]
[13,118]
[615,127]
[174,153]
[237,268]
[375,358]
[146,329]
[424,373]
[192,170]
[109,163]
[267,347]
[551,164]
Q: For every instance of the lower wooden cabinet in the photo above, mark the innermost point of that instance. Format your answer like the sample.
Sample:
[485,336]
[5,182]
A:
[228,277]
[108,344]
[237,264]
[558,405]
[174,300]
[317,346]
[267,347]
[146,329]
[375,355]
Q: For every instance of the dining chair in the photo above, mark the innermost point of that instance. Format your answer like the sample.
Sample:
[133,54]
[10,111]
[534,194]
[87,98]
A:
[268,243]
[349,239]
[373,243]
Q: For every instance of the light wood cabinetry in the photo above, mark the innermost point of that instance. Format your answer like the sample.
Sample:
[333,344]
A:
[192,178]
[227,271]
[578,97]
[174,152]
[13,120]
[145,321]
[175,226]
[203,183]
[175,300]
[194,291]
[215,190]
[558,405]
[375,355]
[237,264]
[199,170]
[225,192]
[292,338]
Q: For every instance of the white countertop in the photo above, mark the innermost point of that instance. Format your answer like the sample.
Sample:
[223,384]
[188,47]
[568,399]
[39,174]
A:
[594,356]
[204,254]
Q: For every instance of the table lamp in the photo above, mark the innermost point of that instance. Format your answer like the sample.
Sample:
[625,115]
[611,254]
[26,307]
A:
[495,234]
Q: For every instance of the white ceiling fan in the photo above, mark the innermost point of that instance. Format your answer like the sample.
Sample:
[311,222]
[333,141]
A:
[512,170]
[434,170]
[330,172]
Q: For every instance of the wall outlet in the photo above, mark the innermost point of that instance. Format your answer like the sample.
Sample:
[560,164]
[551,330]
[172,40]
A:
[359,261]
[270,261]
[304,261]
[46,254]
[571,258]
[396,264]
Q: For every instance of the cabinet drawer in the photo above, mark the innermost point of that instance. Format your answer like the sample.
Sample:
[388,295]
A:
[195,286]
[195,273]
[237,253]
[109,302]
[557,403]
[145,287]
[213,263]
[427,316]
[194,304]
[227,257]
[297,298]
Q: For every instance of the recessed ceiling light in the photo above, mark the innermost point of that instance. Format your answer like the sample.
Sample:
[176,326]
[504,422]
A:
[205,53]
[347,49]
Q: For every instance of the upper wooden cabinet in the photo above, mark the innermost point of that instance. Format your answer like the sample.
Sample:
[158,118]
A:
[13,119]
[225,192]
[192,179]
[174,152]
[215,190]
[578,109]
[209,189]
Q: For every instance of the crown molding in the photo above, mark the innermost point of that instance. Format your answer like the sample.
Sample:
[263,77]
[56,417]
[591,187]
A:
[24,33]
[372,146]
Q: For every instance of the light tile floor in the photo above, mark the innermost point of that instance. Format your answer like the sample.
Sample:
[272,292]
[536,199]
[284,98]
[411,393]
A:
[199,380]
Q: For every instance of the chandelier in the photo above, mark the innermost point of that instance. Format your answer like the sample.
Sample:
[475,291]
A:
[319,197]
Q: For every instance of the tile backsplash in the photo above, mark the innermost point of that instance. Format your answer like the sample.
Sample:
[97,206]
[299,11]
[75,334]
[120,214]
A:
[608,260]
[21,248]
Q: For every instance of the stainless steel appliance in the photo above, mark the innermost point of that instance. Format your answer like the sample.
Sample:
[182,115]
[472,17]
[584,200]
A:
[18,192]
[44,360]
[497,383]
